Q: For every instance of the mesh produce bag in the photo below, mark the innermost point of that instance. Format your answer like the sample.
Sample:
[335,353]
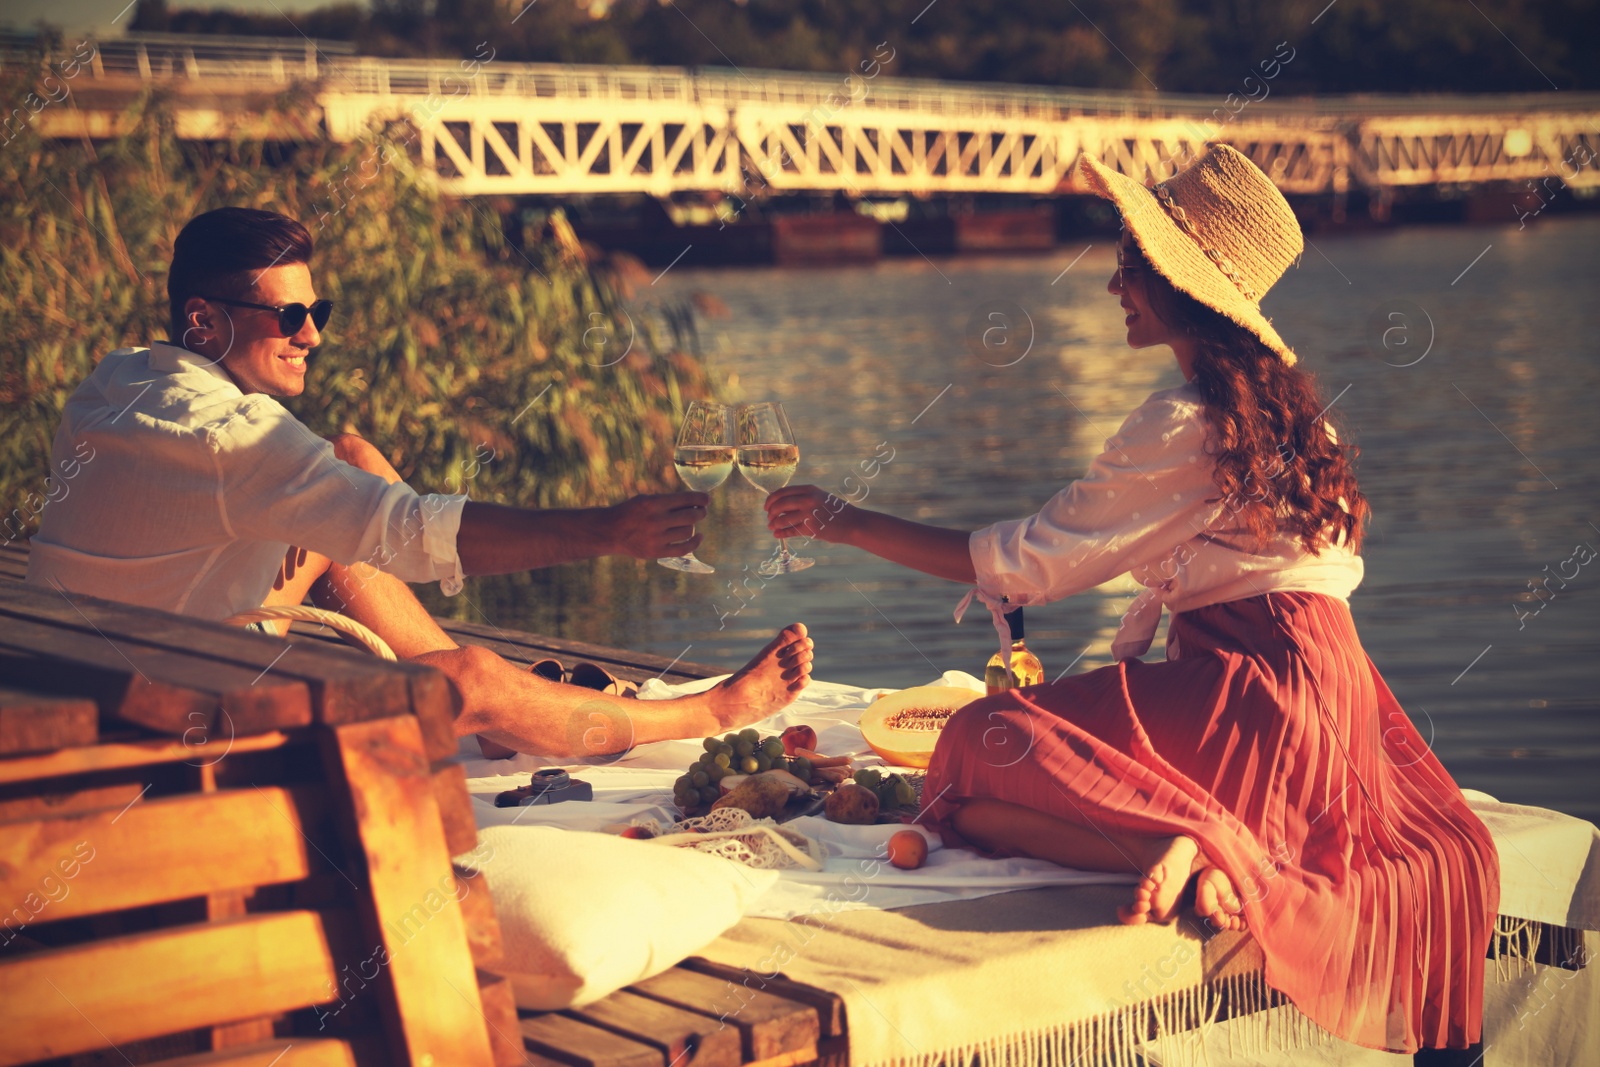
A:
[735,834]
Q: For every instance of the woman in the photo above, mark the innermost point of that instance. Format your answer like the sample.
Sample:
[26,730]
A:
[1264,763]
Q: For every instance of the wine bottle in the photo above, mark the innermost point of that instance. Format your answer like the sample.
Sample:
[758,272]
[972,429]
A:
[1025,666]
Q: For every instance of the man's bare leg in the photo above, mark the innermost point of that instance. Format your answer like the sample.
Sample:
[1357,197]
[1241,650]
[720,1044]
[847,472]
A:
[1165,863]
[514,707]
[525,712]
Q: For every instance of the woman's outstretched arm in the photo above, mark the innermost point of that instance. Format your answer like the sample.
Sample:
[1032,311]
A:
[806,511]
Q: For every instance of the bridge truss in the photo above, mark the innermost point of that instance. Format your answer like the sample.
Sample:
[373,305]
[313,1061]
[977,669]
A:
[495,127]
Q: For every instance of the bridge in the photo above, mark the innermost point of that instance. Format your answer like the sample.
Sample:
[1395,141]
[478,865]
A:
[488,126]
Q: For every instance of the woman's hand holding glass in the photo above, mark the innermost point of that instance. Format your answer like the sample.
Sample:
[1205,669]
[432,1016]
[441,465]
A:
[808,511]
[768,457]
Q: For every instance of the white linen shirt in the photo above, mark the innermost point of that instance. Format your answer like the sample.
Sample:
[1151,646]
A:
[193,491]
[1148,506]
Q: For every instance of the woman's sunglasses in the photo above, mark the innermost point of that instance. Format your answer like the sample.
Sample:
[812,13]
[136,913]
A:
[290,317]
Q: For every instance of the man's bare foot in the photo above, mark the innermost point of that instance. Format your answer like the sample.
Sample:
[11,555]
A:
[767,684]
[1216,902]
[1168,863]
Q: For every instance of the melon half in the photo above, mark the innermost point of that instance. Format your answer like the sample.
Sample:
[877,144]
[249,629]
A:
[903,727]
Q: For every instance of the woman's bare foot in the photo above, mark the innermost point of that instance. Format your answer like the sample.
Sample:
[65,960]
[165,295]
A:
[1169,862]
[1216,902]
[767,684]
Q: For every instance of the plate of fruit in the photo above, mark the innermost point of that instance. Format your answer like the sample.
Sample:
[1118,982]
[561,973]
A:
[781,777]
[776,777]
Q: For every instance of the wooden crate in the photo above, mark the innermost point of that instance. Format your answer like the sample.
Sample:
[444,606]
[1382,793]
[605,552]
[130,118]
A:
[224,847]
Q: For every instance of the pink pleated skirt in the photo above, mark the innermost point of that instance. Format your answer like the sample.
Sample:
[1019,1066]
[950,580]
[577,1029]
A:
[1269,737]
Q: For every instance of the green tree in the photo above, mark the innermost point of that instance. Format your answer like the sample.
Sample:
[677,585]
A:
[1190,46]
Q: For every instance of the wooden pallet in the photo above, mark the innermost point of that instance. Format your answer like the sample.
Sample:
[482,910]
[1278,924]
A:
[264,821]
[215,841]
[686,1016]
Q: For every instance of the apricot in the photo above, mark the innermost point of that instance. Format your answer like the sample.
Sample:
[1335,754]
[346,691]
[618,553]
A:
[908,850]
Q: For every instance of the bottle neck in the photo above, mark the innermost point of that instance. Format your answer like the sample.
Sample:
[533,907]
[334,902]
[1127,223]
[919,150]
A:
[1014,622]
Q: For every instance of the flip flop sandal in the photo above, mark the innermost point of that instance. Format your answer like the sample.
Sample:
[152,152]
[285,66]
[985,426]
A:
[549,668]
[591,676]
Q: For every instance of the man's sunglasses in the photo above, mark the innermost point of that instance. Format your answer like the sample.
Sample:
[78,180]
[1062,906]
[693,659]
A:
[290,317]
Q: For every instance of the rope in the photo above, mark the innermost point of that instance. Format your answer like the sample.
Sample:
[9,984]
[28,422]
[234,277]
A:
[331,619]
[1224,264]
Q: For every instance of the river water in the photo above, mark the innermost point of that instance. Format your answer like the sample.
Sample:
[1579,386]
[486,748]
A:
[1475,412]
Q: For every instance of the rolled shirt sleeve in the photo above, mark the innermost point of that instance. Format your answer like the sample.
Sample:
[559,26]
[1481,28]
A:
[1147,493]
[277,481]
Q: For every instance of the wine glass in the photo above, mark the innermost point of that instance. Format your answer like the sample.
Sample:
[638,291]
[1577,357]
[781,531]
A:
[704,459]
[768,457]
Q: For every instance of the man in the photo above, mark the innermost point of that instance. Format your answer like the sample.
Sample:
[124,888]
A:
[201,482]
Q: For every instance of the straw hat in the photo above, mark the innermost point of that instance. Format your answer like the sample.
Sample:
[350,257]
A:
[1218,230]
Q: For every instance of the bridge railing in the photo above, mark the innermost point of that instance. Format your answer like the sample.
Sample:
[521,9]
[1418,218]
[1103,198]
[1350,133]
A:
[279,60]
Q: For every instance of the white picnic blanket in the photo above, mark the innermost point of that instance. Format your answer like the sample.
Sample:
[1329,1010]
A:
[1549,862]
[639,786]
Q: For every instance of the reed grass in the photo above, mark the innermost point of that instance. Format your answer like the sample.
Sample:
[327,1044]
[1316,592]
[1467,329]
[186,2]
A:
[474,362]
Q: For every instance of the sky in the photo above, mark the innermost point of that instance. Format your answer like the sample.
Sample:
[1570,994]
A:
[106,18]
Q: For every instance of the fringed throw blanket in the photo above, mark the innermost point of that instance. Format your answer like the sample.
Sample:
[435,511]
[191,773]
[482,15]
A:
[1037,978]
[1034,977]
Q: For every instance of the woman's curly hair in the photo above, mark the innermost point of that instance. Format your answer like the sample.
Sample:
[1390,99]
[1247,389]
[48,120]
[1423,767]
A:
[1277,465]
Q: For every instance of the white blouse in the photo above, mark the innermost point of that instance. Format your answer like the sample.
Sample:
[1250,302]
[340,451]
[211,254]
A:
[178,491]
[1148,506]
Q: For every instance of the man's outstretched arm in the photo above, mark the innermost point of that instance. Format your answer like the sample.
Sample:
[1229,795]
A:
[294,488]
[495,539]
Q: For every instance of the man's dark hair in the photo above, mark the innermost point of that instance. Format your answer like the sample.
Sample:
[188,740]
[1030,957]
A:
[222,252]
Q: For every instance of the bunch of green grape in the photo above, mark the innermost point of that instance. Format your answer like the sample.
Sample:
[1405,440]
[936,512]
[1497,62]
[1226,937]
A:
[745,752]
[893,791]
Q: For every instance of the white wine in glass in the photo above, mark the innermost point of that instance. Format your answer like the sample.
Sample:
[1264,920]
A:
[768,457]
[703,467]
[769,467]
[704,459]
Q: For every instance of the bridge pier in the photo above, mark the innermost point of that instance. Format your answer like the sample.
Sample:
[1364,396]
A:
[1380,205]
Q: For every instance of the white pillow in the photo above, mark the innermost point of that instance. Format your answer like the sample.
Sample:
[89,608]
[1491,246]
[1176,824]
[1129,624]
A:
[584,914]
